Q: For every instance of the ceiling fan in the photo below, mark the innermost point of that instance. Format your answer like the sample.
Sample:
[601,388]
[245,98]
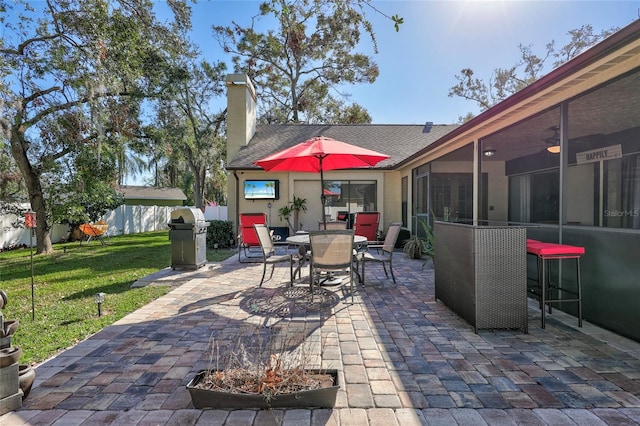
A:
[553,141]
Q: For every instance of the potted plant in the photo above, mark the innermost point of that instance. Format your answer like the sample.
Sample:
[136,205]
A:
[417,247]
[284,213]
[414,247]
[256,373]
[296,206]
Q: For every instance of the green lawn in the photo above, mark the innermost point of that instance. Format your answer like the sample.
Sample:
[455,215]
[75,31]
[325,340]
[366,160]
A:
[66,281]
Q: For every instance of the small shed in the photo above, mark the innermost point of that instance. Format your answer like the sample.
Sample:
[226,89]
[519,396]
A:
[152,196]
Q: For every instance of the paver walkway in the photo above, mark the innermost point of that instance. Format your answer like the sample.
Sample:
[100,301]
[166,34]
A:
[403,358]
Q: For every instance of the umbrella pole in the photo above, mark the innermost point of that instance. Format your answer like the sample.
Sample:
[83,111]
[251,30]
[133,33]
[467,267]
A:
[322,196]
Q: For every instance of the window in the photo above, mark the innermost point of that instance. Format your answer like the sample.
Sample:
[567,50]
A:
[535,197]
[545,197]
[452,196]
[443,199]
[621,193]
[350,196]
[603,174]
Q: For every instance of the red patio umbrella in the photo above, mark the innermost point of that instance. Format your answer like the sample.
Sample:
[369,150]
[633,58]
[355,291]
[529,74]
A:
[328,193]
[319,154]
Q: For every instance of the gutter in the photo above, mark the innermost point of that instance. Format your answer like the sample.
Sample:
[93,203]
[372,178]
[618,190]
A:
[235,174]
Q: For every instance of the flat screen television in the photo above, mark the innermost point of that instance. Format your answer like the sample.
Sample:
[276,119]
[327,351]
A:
[262,189]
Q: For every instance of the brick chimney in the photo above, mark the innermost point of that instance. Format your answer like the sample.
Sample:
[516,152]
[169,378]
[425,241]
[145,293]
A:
[241,112]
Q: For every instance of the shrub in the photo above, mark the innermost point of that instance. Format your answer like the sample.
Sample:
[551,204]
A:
[220,232]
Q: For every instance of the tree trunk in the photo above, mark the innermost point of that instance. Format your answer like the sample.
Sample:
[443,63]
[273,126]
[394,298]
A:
[197,184]
[31,177]
[43,236]
[202,177]
[196,191]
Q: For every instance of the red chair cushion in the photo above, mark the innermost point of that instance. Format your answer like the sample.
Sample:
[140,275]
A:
[248,234]
[552,249]
[366,224]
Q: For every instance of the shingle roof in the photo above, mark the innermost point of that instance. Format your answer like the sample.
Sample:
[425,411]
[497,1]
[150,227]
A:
[152,193]
[399,141]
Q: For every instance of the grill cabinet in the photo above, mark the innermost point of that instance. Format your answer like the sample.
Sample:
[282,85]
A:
[188,235]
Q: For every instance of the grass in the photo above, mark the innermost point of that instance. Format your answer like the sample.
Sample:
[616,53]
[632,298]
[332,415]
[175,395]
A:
[66,281]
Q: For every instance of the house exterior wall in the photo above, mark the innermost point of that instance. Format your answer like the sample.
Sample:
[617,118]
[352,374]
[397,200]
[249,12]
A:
[388,202]
[609,269]
[241,105]
[611,296]
[391,210]
[262,206]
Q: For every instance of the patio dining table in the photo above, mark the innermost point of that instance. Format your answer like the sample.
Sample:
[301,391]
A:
[301,239]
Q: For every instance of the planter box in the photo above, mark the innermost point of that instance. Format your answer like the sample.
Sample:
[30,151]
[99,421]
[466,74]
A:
[316,398]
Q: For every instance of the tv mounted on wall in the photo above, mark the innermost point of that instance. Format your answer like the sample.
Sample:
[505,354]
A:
[262,189]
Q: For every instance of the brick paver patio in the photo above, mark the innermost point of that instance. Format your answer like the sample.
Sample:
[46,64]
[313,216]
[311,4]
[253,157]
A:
[403,358]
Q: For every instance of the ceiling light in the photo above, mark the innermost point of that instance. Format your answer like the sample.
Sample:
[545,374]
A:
[554,149]
[553,141]
[489,152]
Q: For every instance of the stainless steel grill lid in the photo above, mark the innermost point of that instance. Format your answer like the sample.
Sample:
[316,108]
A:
[188,215]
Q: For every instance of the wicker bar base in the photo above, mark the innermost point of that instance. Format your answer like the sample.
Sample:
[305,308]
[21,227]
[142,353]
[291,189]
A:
[481,274]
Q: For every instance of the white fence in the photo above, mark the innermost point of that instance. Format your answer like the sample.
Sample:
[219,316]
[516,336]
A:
[123,220]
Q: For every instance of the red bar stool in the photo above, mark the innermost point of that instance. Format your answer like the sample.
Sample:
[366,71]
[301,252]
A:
[546,252]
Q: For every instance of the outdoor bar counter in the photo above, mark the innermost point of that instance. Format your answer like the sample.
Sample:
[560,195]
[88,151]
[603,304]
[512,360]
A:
[481,273]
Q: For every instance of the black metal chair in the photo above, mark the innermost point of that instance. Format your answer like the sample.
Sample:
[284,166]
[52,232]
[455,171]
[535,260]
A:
[269,255]
[386,249]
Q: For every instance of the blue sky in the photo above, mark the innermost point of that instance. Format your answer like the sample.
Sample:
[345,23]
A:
[438,38]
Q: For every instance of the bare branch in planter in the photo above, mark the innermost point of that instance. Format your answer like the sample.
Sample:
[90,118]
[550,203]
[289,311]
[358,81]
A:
[261,361]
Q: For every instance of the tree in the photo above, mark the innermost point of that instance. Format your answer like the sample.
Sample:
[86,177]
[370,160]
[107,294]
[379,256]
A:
[191,122]
[84,190]
[11,185]
[298,67]
[506,81]
[332,110]
[64,65]
[153,146]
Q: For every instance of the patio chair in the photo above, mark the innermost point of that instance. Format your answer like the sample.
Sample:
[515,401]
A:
[387,252]
[248,242]
[338,224]
[366,224]
[96,230]
[331,253]
[269,255]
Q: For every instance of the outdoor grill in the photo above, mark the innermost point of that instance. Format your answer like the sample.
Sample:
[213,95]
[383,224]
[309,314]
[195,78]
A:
[188,235]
